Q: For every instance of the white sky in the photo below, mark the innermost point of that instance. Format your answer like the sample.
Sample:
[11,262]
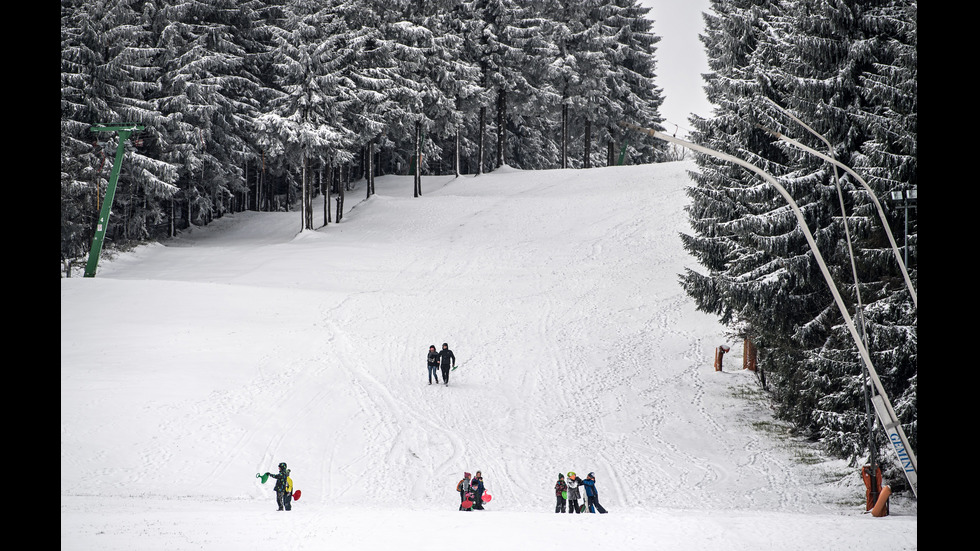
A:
[680,59]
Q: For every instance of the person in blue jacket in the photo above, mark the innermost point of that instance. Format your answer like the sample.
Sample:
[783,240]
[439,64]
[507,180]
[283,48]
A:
[478,489]
[432,361]
[592,494]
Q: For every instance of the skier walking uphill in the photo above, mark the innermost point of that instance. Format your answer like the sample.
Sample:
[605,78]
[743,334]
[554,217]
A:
[592,494]
[573,494]
[284,488]
[433,364]
[561,490]
[448,360]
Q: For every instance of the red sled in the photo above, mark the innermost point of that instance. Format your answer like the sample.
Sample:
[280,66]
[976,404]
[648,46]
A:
[466,504]
[487,498]
[296,495]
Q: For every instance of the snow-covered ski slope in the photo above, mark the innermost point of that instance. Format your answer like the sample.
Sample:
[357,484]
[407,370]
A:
[189,367]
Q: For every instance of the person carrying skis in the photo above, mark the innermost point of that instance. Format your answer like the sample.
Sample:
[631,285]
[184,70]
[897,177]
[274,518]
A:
[560,490]
[592,494]
[463,487]
[284,488]
[573,495]
[448,360]
[478,489]
[433,363]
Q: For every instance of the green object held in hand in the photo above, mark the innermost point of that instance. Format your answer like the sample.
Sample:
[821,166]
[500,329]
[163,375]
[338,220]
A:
[264,477]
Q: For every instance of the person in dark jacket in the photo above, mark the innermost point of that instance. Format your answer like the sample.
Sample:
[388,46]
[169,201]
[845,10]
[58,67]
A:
[592,494]
[448,360]
[561,490]
[478,489]
[433,363]
[284,488]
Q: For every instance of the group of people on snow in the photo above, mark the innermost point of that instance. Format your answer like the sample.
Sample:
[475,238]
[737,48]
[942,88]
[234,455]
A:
[471,490]
[444,359]
[567,492]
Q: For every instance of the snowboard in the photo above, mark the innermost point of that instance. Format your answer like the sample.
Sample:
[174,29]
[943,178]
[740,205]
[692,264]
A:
[264,477]
[296,494]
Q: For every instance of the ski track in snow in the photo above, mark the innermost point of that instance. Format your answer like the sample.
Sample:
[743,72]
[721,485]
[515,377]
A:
[248,343]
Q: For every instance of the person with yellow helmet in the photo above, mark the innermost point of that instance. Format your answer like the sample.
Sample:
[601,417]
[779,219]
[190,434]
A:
[284,488]
[572,482]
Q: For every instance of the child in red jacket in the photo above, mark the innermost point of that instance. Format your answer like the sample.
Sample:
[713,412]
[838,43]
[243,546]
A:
[561,490]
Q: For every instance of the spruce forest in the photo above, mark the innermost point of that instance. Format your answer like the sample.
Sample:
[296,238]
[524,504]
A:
[262,104]
[266,104]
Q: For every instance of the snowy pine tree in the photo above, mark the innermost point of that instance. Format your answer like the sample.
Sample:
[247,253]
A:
[207,95]
[817,59]
[301,125]
[108,76]
[633,93]
[453,81]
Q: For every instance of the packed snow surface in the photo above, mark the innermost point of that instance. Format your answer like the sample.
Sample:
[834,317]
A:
[188,367]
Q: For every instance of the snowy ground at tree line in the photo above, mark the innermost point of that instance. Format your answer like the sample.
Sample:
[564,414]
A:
[188,367]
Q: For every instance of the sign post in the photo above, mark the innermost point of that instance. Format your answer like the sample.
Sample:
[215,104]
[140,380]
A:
[124,130]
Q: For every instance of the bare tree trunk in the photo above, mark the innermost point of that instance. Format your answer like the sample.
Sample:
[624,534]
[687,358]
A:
[587,163]
[325,190]
[501,127]
[370,164]
[340,193]
[564,135]
[302,194]
[483,130]
[306,208]
[418,158]
[366,160]
[456,156]
[245,203]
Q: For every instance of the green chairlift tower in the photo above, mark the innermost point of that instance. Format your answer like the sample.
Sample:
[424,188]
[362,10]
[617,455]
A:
[124,130]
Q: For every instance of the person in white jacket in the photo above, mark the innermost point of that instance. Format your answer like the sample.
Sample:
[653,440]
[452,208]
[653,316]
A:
[573,494]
